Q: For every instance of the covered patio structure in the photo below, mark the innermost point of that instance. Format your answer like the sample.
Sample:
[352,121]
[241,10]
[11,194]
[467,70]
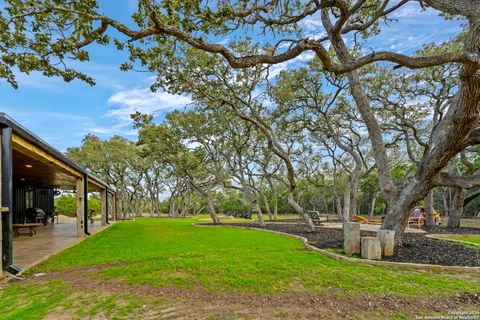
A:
[31,173]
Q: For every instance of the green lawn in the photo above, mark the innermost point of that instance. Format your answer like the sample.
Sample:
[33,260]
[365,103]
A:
[166,253]
[205,218]
[470,239]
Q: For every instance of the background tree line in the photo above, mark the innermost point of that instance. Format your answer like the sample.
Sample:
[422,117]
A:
[342,116]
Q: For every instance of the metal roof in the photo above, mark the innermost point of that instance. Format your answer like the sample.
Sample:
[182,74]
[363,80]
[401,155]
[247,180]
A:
[26,134]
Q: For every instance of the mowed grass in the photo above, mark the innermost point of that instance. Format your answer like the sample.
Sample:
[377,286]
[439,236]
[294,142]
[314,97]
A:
[172,252]
[205,218]
[161,252]
[470,239]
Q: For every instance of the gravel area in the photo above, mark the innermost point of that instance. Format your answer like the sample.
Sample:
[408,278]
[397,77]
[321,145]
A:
[416,247]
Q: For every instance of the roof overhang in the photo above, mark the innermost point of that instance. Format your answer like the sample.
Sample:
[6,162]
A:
[29,147]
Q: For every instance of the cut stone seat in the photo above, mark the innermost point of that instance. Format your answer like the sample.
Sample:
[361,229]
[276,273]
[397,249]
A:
[371,248]
[387,241]
[351,237]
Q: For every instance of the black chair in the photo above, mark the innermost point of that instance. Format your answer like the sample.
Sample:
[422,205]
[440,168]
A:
[35,215]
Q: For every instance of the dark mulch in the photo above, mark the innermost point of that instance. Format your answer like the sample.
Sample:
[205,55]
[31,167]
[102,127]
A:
[416,247]
[444,230]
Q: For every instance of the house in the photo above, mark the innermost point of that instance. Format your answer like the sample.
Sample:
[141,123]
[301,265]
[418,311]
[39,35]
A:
[31,173]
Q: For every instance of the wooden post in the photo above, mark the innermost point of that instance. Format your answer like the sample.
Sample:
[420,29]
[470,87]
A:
[6,197]
[371,249]
[387,241]
[85,205]
[351,237]
[107,206]
[2,273]
[114,205]
[80,207]
[103,204]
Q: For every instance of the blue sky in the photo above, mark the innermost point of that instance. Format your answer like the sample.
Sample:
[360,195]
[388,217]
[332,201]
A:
[63,113]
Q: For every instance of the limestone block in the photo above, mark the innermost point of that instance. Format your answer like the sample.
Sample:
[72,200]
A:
[387,241]
[351,237]
[371,249]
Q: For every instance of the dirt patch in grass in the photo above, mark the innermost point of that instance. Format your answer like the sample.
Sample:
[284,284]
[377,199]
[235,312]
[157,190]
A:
[200,304]
[416,247]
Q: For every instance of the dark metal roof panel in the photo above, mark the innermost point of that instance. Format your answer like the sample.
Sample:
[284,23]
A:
[26,134]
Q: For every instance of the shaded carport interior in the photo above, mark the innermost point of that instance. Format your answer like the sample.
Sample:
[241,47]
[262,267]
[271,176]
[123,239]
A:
[31,169]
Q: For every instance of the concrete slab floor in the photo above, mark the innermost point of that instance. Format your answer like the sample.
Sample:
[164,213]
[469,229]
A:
[49,240]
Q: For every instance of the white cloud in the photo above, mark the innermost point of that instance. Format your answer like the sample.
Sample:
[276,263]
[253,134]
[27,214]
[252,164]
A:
[143,100]
[412,10]
[311,23]
[126,102]
[316,35]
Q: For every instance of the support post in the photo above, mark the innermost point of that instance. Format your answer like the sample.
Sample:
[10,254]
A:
[2,211]
[107,208]
[114,208]
[103,208]
[85,204]
[80,207]
[6,199]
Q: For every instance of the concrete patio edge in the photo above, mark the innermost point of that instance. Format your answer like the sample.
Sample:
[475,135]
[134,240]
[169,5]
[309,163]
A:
[338,257]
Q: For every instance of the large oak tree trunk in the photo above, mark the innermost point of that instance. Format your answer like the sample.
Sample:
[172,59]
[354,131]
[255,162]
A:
[256,205]
[355,176]
[398,212]
[347,215]
[372,206]
[211,210]
[446,209]
[457,208]
[275,206]
[204,194]
[429,214]
[338,206]
[267,207]
[448,138]
[299,210]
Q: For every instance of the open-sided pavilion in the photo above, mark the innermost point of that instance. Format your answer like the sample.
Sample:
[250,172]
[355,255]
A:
[31,174]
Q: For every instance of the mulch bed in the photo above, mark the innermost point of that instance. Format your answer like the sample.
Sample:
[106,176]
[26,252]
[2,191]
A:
[416,247]
[445,230]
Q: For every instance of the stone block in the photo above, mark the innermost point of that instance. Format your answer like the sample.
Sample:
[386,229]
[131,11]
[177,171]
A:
[387,241]
[351,237]
[371,248]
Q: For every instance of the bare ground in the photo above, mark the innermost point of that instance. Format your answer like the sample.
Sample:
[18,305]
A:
[200,304]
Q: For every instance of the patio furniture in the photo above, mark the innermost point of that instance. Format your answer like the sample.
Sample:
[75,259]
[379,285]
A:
[416,218]
[239,214]
[36,215]
[32,228]
[91,215]
[314,216]
[363,220]
[50,215]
